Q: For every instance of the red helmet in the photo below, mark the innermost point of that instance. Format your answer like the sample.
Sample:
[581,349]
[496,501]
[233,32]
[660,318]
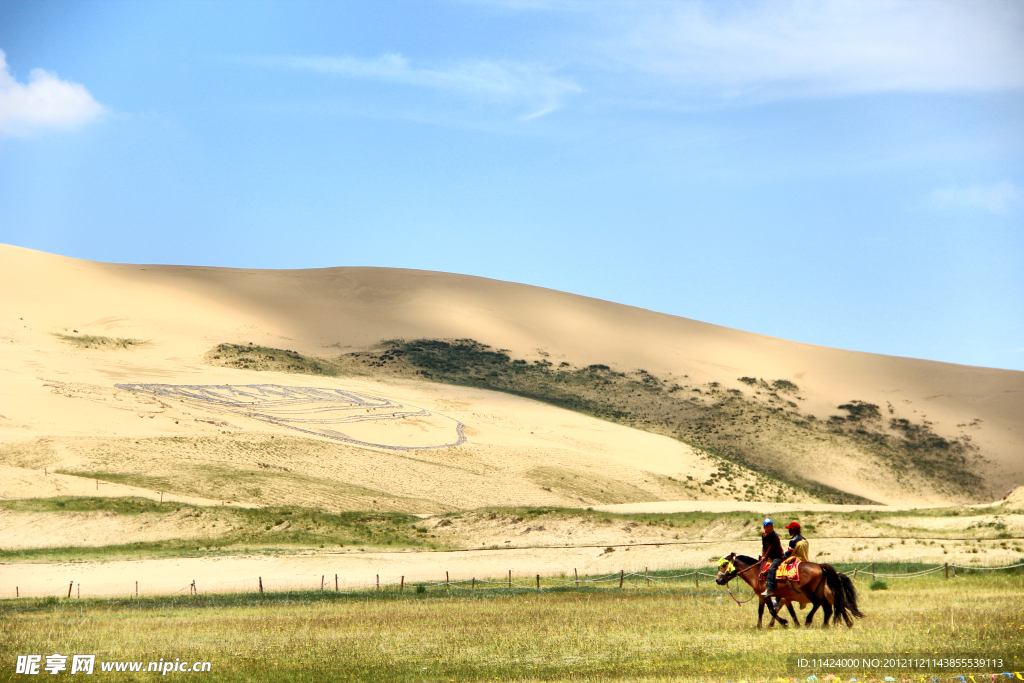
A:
[793,525]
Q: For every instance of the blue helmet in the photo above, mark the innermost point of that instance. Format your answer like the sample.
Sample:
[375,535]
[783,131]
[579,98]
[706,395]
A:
[767,521]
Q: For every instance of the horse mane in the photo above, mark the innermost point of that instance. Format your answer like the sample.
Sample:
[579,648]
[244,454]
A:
[744,558]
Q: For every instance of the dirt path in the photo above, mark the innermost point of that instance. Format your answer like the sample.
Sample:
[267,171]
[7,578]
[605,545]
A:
[356,569]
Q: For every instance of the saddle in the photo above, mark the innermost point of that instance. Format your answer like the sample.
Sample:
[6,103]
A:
[789,570]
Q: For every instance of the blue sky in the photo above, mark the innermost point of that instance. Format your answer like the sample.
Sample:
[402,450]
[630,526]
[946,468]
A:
[848,174]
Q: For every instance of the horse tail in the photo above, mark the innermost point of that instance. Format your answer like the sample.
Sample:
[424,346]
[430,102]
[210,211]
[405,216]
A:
[851,596]
[832,578]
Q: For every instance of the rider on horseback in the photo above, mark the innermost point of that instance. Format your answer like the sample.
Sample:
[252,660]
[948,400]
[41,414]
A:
[798,545]
[771,548]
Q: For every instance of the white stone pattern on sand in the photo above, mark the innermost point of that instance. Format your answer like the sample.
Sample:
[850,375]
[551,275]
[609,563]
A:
[311,410]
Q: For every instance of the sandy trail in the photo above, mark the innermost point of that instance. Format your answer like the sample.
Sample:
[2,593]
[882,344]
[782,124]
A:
[357,570]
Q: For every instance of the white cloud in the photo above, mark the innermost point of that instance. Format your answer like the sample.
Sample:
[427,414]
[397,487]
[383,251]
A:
[44,102]
[799,48]
[998,199]
[517,84]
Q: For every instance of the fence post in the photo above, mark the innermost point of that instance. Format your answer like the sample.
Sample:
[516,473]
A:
[872,571]
[335,583]
[954,570]
[401,586]
[696,578]
[161,497]
[17,592]
[622,575]
[474,583]
[79,591]
[70,586]
[136,589]
[447,584]
[378,581]
[261,585]
[538,581]
[509,578]
[577,575]
[855,574]
[946,570]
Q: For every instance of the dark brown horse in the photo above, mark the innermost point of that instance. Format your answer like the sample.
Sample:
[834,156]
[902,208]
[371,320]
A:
[819,584]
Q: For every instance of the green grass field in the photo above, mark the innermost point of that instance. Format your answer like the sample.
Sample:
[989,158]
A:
[677,633]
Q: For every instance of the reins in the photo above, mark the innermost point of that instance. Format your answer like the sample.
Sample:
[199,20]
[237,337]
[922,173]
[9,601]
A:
[737,573]
[739,602]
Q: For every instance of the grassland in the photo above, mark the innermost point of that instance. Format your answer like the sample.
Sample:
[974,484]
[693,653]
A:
[639,633]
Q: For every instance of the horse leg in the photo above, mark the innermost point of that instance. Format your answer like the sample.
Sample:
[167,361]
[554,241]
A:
[827,611]
[775,614]
[760,612]
[796,622]
[771,624]
[815,604]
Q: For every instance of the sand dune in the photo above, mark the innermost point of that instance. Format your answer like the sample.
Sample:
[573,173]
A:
[60,405]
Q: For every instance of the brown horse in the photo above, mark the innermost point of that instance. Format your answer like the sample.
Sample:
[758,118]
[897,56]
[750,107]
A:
[819,584]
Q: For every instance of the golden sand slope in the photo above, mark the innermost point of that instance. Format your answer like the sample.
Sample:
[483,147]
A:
[59,405]
[1014,499]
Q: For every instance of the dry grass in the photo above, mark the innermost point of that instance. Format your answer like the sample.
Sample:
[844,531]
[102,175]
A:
[638,634]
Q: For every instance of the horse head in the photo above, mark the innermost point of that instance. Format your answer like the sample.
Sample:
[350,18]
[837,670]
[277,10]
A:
[726,569]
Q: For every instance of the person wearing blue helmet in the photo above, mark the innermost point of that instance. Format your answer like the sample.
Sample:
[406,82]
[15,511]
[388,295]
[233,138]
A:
[771,549]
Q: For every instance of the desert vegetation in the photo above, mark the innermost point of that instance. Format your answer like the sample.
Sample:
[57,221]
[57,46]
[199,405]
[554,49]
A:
[759,429]
[92,341]
[250,357]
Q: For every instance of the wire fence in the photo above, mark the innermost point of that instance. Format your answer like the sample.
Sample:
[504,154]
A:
[621,579]
[949,569]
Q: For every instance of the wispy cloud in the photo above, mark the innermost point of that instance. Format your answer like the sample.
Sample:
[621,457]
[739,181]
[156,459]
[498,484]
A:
[532,87]
[998,199]
[797,48]
[44,102]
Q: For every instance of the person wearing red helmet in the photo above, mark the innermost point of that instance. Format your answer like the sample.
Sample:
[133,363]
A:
[798,545]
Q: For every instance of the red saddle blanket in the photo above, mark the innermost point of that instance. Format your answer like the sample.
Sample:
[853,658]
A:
[787,570]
